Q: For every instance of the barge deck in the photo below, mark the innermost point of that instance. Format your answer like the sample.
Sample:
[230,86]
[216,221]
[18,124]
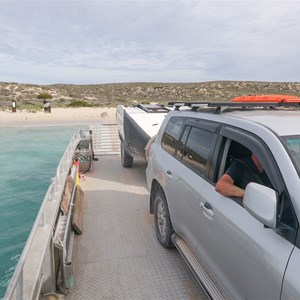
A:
[117,256]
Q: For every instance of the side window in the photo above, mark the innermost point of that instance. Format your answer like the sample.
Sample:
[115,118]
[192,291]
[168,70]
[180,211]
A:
[236,151]
[172,133]
[269,175]
[287,220]
[198,149]
[182,142]
[292,144]
[242,166]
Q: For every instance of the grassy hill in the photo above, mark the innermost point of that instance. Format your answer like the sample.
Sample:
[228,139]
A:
[64,95]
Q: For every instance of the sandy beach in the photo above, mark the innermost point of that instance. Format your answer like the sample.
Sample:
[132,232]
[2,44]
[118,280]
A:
[58,116]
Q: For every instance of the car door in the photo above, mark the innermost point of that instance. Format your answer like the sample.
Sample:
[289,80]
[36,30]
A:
[185,178]
[247,258]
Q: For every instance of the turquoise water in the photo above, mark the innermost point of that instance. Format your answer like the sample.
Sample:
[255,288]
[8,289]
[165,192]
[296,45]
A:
[28,159]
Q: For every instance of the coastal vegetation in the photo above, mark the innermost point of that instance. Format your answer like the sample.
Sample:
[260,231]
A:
[80,103]
[31,97]
[44,96]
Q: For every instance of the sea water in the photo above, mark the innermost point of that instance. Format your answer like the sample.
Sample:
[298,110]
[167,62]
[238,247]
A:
[28,160]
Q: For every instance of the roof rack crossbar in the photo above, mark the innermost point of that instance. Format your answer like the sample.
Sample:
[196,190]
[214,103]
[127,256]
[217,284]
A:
[222,106]
[192,104]
[152,108]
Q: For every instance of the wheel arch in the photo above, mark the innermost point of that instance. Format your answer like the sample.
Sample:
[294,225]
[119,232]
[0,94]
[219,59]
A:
[155,187]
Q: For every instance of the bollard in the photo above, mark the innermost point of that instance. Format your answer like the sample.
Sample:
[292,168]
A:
[47,106]
[13,106]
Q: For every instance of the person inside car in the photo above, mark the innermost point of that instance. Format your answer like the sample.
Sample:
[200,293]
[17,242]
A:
[239,174]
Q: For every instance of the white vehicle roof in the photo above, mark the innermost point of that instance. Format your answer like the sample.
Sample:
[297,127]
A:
[149,122]
[283,119]
[281,122]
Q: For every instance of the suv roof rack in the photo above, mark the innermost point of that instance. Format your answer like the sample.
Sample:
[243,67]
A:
[220,107]
[194,105]
[153,108]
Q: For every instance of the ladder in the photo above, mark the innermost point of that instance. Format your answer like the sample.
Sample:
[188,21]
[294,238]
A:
[105,139]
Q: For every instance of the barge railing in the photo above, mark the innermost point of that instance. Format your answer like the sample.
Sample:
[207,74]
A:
[35,272]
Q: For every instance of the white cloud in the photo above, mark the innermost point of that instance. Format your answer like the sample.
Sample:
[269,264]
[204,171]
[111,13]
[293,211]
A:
[116,41]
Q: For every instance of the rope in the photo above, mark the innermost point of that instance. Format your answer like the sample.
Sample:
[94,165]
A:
[83,156]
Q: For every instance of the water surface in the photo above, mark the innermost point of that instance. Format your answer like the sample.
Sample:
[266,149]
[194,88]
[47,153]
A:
[28,160]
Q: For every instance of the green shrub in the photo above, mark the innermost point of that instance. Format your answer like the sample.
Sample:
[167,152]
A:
[44,96]
[80,103]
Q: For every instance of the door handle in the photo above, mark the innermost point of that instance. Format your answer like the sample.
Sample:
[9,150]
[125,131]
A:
[169,174]
[207,210]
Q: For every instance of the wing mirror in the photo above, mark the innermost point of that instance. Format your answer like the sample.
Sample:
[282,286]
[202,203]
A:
[261,202]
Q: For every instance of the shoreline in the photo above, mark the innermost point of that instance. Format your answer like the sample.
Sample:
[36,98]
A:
[58,117]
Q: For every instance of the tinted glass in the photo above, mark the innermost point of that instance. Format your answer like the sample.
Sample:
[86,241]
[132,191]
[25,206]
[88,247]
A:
[292,144]
[172,134]
[182,142]
[198,148]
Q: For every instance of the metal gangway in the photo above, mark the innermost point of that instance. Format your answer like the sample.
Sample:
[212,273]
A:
[105,139]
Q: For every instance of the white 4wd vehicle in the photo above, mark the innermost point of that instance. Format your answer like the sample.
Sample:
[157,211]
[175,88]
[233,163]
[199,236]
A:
[238,248]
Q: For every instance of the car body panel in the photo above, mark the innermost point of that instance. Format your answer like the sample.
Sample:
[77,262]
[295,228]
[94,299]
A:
[282,158]
[249,260]
[291,286]
[237,248]
[183,195]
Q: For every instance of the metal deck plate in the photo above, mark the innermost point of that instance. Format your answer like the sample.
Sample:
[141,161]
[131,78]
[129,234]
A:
[117,256]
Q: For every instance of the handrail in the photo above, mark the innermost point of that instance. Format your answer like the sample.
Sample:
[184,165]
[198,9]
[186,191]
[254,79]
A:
[54,193]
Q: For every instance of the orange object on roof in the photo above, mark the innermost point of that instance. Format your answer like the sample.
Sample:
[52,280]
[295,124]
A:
[266,98]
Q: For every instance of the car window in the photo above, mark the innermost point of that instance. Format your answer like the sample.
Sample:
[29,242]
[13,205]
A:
[182,142]
[287,222]
[198,149]
[292,144]
[172,133]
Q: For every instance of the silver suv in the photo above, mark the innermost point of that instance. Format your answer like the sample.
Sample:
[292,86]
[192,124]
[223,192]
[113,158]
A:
[238,248]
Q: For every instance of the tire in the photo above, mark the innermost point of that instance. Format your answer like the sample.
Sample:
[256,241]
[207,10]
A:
[162,220]
[126,159]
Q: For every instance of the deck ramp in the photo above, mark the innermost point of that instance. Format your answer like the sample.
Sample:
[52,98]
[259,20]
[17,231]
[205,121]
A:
[117,256]
[105,139]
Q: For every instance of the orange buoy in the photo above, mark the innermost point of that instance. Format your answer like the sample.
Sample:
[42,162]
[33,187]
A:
[266,98]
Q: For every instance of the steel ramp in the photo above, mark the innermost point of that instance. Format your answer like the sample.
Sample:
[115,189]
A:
[117,256]
[105,139]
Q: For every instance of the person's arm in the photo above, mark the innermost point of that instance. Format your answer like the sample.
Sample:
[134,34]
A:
[226,187]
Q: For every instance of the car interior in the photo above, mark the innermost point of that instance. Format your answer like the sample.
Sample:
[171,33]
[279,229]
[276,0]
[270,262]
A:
[232,150]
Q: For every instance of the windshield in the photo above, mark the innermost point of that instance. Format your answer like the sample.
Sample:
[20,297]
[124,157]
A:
[292,143]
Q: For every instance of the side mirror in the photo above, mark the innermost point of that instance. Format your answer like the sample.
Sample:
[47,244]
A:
[261,202]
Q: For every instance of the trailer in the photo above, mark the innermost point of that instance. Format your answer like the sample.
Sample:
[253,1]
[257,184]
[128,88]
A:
[136,126]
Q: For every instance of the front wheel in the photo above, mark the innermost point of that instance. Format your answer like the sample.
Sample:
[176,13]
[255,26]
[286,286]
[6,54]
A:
[126,159]
[162,221]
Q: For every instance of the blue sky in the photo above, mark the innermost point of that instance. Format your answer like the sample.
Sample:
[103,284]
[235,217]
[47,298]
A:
[82,42]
